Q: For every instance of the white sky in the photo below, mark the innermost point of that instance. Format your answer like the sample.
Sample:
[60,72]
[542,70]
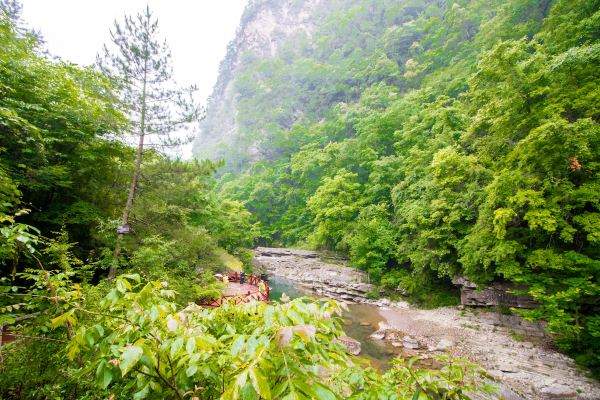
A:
[197,32]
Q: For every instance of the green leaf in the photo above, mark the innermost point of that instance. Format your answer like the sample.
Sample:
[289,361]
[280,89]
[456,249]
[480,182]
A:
[191,370]
[133,277]
[416,395]
[259,383]
[191,345]
[322,393]
[103,375]
[142,394]
[237,345]
[176,346]
[129,358]
[99,329]
[63,319]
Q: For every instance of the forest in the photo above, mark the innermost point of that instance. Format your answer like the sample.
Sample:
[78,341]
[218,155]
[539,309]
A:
[428,140]
[424,140]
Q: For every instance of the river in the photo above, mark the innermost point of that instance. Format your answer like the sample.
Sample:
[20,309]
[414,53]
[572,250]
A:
[360,321]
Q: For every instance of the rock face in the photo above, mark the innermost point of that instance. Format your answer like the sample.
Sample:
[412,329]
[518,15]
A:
[264,26]
[497,294]
[309,271]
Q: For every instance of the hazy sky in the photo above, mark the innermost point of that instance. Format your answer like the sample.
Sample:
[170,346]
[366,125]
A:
[197,31]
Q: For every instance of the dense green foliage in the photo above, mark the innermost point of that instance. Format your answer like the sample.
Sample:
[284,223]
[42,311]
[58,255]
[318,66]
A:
[64,173]
[431,139]
[425,139]
[137,343]
[62,169]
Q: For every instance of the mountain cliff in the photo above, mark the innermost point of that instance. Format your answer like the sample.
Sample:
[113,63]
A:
[264,26]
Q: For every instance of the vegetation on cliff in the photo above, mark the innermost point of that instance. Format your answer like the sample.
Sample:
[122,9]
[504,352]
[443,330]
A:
[64,174]
[426,139]
[431,139]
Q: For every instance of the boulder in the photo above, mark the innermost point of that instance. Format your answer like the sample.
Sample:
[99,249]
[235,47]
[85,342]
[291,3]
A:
[384,302]
[557,391]
[352,346]
[363,287]
[443,345]
[378,335]
[496,294]
[508,368]
[410,342]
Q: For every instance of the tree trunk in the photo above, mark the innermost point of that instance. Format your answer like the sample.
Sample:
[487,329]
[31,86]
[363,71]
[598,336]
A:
[137,168]
[128,205]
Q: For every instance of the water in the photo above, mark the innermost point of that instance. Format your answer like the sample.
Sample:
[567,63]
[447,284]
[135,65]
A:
[280,285]
[360,321]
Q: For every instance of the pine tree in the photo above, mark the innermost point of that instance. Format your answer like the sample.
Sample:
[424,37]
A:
[139,62]
[12,9]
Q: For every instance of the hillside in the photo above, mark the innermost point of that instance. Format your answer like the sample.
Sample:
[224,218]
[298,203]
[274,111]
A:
[426,140]
[264,27]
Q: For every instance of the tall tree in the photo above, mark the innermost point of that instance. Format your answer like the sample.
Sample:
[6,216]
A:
[12,9]
[138,59]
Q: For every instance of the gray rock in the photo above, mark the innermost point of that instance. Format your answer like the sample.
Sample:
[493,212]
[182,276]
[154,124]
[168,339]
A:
[558,392]
[506,393]
[508,368]
[443,345]
[363,287]
[401,304]
[352,346]
[410,342]
[325,278]
[384,302]
[378,335]
[495,294]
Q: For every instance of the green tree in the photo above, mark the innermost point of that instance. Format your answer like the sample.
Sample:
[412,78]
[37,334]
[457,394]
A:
[334,205]
[139,62]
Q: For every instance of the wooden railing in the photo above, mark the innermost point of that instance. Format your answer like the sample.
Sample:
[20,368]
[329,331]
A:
[256,295]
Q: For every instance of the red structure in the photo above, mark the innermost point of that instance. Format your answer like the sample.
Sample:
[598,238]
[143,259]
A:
[6,336]
[251,291]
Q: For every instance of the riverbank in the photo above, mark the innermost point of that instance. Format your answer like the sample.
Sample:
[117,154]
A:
[529,366]
[514,352]
[308,270]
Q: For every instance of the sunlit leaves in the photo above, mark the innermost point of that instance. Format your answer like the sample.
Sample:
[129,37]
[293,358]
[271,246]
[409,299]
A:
[129,358]
[476,154]
[237,344]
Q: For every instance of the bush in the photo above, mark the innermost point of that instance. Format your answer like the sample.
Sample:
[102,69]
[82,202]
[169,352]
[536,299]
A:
[142,343]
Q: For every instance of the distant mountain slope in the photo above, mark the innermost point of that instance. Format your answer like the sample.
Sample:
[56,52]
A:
[264,26]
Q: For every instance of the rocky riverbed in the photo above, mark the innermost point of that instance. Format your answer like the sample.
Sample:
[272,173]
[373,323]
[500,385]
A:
[515,353]
[309,271]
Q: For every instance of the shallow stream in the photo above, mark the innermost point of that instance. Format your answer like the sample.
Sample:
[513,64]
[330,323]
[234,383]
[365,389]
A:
[360,321]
